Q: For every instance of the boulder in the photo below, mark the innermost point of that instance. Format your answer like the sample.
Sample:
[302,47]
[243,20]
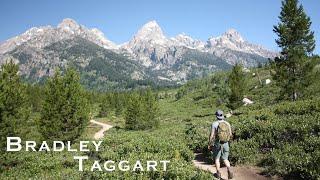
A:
[246,101]
[268,81]
[246,70]
[228,115]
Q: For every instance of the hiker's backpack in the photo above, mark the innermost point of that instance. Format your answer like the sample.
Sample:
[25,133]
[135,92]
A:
[224,134]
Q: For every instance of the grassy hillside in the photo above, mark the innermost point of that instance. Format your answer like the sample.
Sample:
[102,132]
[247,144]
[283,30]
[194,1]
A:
[283,137]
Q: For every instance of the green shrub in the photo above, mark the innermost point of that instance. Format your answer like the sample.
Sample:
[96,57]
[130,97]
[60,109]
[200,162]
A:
[244,151]
[292,161]
[298,107]
[196,138]
[282,137]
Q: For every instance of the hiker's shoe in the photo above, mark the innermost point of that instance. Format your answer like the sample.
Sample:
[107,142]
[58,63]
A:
[217,175]
[230,175]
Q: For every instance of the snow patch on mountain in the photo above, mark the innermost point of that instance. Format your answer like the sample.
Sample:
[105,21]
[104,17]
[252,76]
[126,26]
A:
[187,41]
[233,40]
[151,47]
[67,29]
[150,32]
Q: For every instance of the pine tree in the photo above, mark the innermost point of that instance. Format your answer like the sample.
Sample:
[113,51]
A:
[142,111]
[220,83]
[65,112]
[34,96]
[104,107]
[133,116]
[237,82]
[297,42]
[12,102]
[150,110]
[118,104]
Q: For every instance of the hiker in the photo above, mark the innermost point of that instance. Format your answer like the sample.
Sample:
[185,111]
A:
[219,142]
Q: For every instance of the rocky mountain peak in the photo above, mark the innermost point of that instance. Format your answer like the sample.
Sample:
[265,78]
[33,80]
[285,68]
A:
[97,32]
[185,40]
[39,37]
[150,31]
[69,26]
[99,38]
[233,35]
[68,23]
[151,24]
[231,39]
[183,36]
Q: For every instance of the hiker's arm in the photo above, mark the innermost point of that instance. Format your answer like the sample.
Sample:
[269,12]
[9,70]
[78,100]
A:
[211,137]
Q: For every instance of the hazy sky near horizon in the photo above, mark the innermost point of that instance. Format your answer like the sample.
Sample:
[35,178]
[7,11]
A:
[120,19]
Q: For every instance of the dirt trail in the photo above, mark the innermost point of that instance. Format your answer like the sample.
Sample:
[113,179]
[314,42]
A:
[202,162]
[100,133]
[240,172]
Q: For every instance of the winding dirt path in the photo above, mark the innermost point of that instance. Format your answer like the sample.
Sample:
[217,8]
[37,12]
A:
[204,163]
[240,172]
[100,133]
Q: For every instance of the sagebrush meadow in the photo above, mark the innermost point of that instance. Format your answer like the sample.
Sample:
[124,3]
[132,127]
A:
[75,105]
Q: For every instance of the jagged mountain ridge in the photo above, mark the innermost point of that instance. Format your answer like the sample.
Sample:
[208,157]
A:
[150,46]
[148,56]
[40,37]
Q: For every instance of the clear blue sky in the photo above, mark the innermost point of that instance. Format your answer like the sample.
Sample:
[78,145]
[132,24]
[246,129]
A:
[120,19]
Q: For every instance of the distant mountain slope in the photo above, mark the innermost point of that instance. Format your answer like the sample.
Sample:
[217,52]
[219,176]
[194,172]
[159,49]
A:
[100,68]
[148,57]
[39,37]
